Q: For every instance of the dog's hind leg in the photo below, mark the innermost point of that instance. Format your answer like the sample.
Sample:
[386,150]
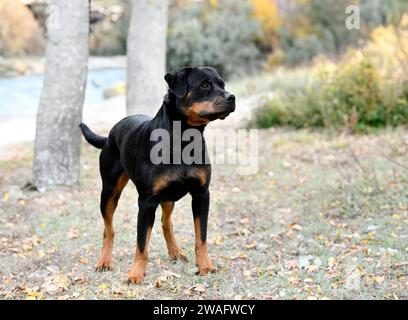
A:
[114,179]
[173,249]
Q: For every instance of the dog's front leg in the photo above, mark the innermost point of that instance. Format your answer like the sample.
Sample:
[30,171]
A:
[200,206]
[145,221]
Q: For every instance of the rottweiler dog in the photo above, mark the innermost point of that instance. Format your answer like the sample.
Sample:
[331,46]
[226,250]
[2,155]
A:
[196,96]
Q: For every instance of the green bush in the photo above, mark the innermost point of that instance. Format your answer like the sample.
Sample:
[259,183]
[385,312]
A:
[221,35]
[354,97]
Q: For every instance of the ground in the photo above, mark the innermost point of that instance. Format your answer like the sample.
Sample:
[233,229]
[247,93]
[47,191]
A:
[325,217]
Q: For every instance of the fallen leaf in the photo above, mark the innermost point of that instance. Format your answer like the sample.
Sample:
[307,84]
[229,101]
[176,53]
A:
[331,262]
[247,273]
[6,196]
[167,276]
[379,279]
[244,221]
[252,245]
[158,282]
[295,226]
[401,264]
[291,264]
[199,288]
[41,253]
[72,233]
[239,256]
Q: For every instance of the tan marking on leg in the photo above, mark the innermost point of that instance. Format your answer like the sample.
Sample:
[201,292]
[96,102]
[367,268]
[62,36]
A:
[162,182]
[137,272]
[202,260]
[159,184]
[105,260]
[201,175]
[173,249]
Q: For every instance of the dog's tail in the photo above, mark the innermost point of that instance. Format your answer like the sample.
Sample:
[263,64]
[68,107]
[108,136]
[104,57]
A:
[92,138]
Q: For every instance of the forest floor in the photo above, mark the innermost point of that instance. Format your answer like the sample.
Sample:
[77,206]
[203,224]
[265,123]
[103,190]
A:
[325,217]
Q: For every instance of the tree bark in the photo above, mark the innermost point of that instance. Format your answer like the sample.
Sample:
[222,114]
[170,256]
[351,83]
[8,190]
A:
[146,52]
[57,141]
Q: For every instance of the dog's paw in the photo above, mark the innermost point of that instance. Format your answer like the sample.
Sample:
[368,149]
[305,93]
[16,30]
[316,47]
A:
[103,265]
[206,269]
[178,254]
[135,277]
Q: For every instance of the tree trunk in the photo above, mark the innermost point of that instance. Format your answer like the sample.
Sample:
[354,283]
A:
[57,141]
[146,51]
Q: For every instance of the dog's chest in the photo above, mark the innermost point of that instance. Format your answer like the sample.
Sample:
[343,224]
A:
[180,177]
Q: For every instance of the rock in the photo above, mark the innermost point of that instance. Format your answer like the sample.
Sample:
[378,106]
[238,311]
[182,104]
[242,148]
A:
[15,193]
[353,279]
[304,262]
[53,269]
[372,228]
[262,247]
[115,90]
[317,262]
[392,251]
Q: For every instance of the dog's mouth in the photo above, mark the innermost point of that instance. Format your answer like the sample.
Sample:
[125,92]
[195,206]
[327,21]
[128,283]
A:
[215,115]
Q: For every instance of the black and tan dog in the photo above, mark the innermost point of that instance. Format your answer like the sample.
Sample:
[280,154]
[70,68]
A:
[196,96]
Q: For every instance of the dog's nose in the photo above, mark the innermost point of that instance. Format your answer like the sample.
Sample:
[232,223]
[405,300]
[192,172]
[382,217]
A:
[230,98]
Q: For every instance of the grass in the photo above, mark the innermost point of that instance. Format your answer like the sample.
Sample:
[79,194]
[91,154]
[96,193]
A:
[325,217]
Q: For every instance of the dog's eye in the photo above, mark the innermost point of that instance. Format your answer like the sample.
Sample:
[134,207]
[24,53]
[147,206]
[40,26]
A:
[206,84]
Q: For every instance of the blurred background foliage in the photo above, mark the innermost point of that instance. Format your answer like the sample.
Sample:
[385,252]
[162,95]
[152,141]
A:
[366,88]
[234,35]
[20,32]
[218,33]
[354,79]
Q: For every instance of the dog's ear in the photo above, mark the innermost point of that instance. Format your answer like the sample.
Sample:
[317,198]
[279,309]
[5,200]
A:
[177,82]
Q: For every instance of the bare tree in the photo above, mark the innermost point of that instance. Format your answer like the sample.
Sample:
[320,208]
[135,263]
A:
[57,141]
[146,51]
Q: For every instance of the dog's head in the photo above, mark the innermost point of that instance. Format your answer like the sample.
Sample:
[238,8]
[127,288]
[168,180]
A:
[200,94]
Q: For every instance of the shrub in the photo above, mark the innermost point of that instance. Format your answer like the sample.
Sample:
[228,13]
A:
[221,35]
[368,88]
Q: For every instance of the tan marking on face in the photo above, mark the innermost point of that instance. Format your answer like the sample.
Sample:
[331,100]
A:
[193,113]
